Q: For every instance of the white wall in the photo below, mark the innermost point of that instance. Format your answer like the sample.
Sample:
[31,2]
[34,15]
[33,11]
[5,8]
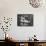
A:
[10,8]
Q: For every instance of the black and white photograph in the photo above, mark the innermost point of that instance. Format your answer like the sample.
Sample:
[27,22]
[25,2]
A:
[25,19]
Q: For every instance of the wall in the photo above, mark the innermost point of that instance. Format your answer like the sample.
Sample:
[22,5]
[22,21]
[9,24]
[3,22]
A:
[10,8]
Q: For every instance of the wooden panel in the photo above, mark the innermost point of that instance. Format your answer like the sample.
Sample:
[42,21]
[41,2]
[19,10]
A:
[40,44]
[35,44]
[44,44]
[25,44]
[17,44]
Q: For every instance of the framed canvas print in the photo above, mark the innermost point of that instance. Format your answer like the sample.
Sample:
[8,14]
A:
[25,19]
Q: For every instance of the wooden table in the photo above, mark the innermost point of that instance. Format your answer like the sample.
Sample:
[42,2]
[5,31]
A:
[30,43]
[27,42]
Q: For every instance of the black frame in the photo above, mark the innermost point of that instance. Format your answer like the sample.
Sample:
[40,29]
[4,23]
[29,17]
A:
[24,19]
